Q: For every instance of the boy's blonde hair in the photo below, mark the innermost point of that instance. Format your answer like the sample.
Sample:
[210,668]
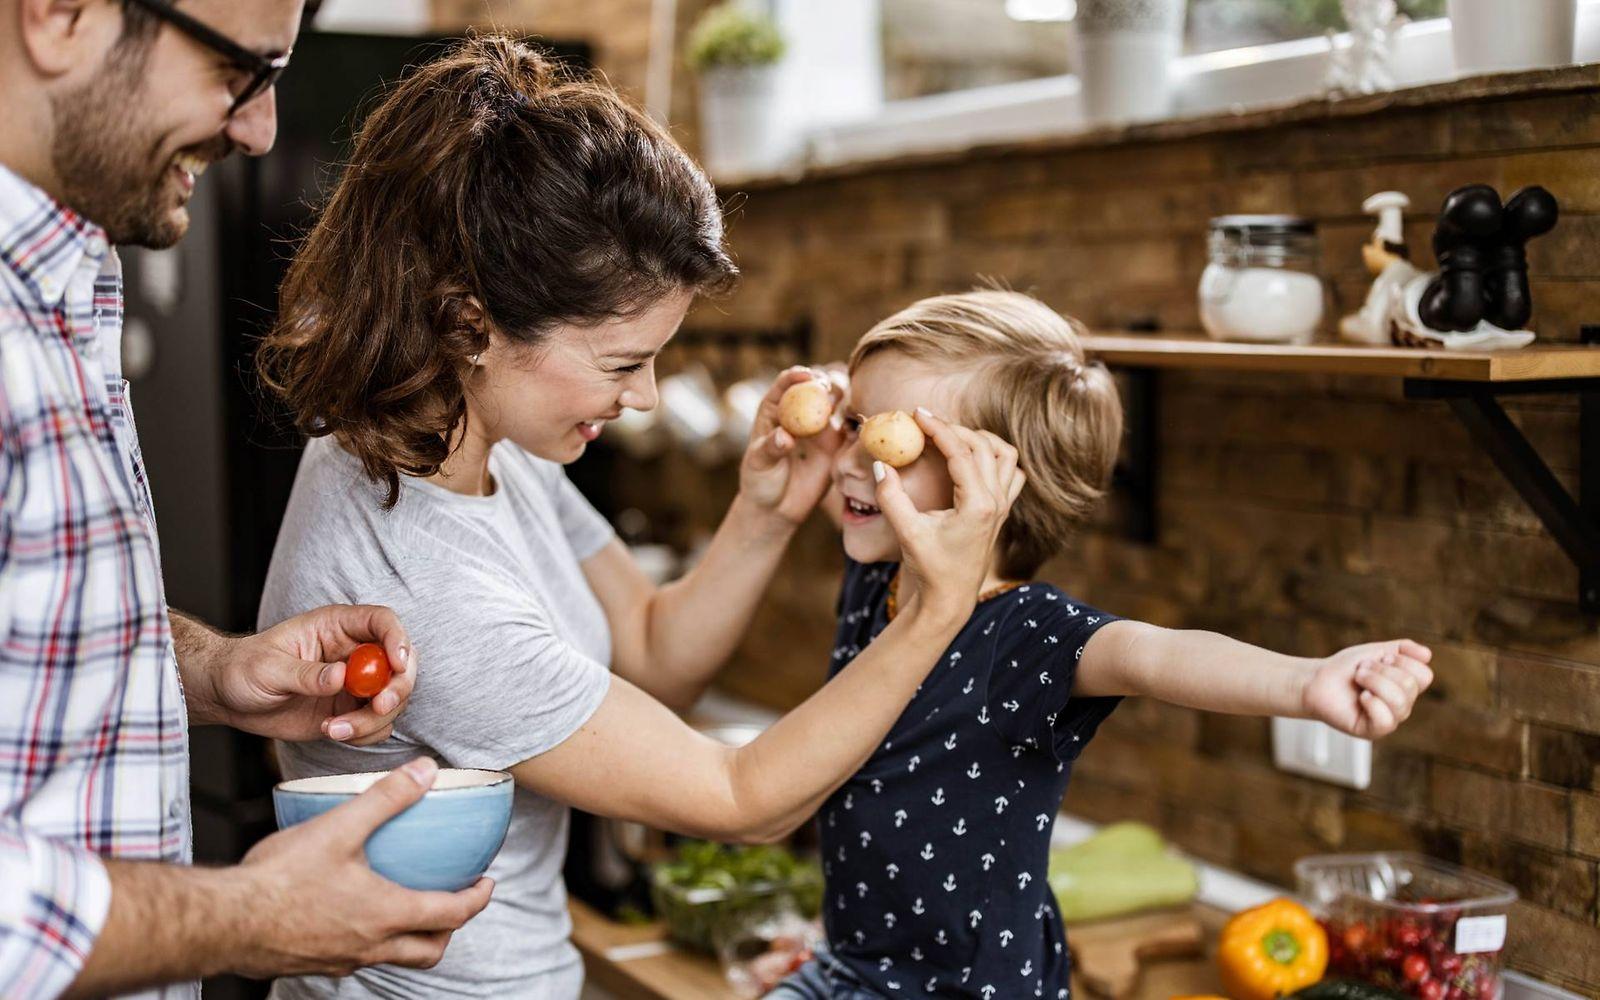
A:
[1030,384]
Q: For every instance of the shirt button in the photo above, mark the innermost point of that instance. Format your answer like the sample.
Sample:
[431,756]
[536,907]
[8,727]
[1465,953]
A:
[48,288]
[175,809]
[97,246]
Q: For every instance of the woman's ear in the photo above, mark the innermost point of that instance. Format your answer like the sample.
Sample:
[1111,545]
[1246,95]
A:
[473,323]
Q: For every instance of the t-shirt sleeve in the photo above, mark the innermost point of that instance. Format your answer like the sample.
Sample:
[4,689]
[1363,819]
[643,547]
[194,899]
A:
[1038,645]
[539,692]
[586,529]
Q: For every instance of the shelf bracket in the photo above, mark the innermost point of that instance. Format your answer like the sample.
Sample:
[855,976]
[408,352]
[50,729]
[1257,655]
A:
[1574,522]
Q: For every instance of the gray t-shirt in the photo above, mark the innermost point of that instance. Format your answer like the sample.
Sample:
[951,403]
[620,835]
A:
[513,649]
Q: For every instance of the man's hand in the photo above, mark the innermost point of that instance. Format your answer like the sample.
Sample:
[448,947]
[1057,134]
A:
[1368,690]
[321,910]
[288,682]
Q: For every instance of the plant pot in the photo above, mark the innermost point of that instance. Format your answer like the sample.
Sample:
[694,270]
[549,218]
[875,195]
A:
[1125,52]
[741,125]
[1493,36]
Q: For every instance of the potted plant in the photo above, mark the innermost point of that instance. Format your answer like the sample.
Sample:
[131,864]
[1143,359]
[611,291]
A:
[736,52]
[1125,52]
[1492,36]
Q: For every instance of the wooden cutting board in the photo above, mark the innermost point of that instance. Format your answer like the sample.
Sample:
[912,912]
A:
[1108,955]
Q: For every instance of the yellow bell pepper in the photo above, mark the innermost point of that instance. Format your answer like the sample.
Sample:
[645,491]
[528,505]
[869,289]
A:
[1271,951]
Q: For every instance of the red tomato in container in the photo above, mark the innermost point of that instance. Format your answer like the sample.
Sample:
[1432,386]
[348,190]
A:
[366,670]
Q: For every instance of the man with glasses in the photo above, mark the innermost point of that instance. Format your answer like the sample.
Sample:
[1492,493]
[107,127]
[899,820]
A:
[109,111]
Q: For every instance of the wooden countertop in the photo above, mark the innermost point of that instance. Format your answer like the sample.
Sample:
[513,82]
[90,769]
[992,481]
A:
[638,963]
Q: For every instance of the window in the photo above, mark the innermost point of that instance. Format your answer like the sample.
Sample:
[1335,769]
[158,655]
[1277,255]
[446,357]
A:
[940,46]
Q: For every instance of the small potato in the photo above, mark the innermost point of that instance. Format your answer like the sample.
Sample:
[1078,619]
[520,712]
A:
[893,437]
[805,408]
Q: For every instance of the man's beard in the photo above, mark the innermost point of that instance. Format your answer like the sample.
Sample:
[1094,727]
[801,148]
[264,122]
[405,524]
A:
[102,159]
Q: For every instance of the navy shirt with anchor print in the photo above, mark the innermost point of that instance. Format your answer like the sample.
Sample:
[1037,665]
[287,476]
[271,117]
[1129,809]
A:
[935,852]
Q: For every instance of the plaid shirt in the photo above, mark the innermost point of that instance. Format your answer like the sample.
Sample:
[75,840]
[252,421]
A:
[93,733]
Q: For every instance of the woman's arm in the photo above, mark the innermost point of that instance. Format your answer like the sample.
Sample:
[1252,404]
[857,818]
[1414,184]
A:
[671,640]
[1365,690]
[636,760]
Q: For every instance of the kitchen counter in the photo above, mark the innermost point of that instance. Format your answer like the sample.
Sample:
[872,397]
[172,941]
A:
[637,962]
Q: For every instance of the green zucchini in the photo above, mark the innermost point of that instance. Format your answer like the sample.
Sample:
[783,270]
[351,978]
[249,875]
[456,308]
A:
[1099,884]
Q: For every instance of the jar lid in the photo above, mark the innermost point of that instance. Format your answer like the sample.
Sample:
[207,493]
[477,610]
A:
[1268,226]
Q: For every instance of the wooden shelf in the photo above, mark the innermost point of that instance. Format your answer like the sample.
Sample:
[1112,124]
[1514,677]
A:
[1563,361]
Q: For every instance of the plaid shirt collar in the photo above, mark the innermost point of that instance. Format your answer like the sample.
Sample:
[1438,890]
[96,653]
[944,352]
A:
[43,241]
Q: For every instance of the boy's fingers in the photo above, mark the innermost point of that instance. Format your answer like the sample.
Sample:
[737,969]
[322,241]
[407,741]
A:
[771,448]
[1416,650]
[1420,673]
[1381,718]
[1377,681]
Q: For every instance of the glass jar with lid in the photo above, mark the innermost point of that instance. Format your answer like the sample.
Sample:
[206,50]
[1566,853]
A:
[1262,283]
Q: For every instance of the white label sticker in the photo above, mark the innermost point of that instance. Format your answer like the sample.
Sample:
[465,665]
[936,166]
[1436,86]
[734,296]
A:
[1475,934]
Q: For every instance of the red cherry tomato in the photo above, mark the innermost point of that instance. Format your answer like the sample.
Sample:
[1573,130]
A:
[366,670]
[1431,989]
[1356,937]
[1415,968]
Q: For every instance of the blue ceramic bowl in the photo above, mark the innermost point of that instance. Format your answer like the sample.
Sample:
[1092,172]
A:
[444,841]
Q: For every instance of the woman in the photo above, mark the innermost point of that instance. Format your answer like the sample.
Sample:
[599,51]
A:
[490,282]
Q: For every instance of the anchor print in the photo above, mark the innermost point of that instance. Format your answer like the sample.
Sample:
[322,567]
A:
[850,800]
[899,818]
[1031,623]
[974,772]
[1044,677]
[1013,664]
[888,919]
[885,963]
[1049,596]
[940,937]
[1000,803]
[1016,752]
[966,973]
[937,797]
[892,984]
[861,890]
[861,938]
[841,852]
[892,870]
[866,838]
[1072,611]
[987,991]
[1023,878]
[960,829]
[988,861]
[831,818]
[916,954]
[931,985]
[968,688]
[915,760]
[949,883]
[1027,967]
[950,742]
[919,910]
[1005,939]
[877,786]
[974,919]
[1051,640]
[983,716]
[1011,706]
[1041,821]
[927,852]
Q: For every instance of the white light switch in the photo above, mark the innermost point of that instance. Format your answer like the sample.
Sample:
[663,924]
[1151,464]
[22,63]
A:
[1317,750]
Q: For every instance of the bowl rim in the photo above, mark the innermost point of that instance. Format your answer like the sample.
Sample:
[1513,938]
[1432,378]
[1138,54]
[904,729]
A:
[284,787]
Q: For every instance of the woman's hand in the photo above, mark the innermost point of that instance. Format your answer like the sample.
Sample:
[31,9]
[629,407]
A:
[780,475]
[948,552]
[1368,690]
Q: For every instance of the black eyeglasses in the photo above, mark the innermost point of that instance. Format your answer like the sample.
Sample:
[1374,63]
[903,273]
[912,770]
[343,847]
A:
[264,70]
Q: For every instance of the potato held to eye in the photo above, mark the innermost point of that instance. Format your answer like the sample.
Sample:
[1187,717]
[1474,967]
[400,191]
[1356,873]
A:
[806,407]
[894,438]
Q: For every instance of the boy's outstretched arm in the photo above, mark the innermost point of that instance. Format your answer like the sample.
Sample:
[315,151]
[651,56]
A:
[1365,690]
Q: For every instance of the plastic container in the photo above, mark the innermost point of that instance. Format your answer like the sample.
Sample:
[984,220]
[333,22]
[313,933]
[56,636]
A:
[702,915]
[1262,285]
[1422,927]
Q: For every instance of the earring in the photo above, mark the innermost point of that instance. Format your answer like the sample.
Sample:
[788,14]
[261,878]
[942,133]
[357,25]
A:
[477,359]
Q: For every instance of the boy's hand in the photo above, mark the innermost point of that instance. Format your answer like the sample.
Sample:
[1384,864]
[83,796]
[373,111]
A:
[1368,690]
[783,476]
[949,552]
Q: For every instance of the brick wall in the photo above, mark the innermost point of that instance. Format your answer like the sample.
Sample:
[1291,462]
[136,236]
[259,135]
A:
[1303,513]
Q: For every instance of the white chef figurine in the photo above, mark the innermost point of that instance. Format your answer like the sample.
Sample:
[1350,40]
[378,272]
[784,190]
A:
[1389,262]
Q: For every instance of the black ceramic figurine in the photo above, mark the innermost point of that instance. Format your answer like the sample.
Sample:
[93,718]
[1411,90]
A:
[1483,267]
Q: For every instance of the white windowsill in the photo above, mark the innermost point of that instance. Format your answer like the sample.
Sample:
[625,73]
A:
[1229,81]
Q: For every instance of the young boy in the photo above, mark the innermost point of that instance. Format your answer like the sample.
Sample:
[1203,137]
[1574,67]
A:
[935,852]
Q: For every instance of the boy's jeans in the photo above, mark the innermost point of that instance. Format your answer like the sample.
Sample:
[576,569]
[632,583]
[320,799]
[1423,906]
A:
[822,979]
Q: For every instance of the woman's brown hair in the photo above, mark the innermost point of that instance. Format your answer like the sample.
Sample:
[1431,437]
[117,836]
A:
[490,179]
